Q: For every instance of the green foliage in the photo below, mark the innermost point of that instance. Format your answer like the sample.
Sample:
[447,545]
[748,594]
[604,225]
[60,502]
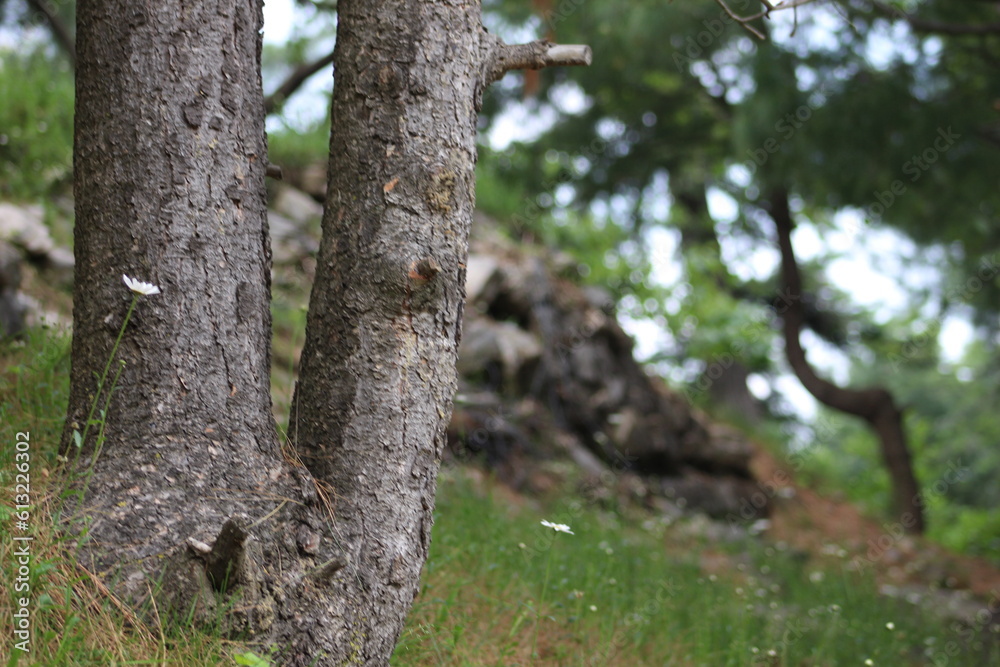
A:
[294,148]
[644,115]
[968,529]
[817,112]
[845,459]
[726,326]
[36,125]
[605,254]
[251,659]
[34,386]
[500,192]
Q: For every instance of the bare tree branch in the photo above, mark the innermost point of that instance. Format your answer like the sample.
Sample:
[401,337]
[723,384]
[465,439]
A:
[535,55]
[294,81]
[59,29]
[742,21]
[916,23]
[769,7]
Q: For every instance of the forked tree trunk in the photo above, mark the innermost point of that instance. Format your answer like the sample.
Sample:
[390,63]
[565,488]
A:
[191,498]
[874,404]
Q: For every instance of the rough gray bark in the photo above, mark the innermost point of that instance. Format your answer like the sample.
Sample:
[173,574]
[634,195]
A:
[170,157]
[169,170]
[191,496]
[377,374]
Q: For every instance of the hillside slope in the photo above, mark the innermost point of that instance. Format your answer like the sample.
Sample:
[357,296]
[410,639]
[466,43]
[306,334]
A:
[552,400]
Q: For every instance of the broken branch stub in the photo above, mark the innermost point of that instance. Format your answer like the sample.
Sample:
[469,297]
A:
[539,54]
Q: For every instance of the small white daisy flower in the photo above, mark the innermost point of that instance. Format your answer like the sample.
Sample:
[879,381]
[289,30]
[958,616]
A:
[139,287]
[558,527]
[890,626]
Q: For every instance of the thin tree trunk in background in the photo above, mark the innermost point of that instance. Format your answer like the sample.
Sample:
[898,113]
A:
[299,76]
[726,382]
[60,31]
[875,405]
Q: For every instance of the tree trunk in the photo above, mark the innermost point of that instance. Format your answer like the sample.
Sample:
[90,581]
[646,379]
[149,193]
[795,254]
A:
[191,499]
[169,162]
[170,156]
[377,374]
[874,405]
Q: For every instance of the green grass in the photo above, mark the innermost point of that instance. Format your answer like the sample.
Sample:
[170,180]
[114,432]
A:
[627,588]
[36,125]
[74,621]
[637,592]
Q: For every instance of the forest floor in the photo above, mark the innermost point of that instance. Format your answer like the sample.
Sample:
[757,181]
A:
[822,585]
[813,522]
[632,587]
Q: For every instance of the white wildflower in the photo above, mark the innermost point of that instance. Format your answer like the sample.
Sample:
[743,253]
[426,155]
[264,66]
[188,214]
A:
[558,527]
[139,287]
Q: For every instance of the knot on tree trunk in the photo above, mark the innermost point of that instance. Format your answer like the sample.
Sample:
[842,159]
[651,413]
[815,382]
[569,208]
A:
[223,585]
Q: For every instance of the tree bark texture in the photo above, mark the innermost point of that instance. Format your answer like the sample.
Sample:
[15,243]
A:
[315,552]
[377,375]
[170,157]
[377,372]
[875,404]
